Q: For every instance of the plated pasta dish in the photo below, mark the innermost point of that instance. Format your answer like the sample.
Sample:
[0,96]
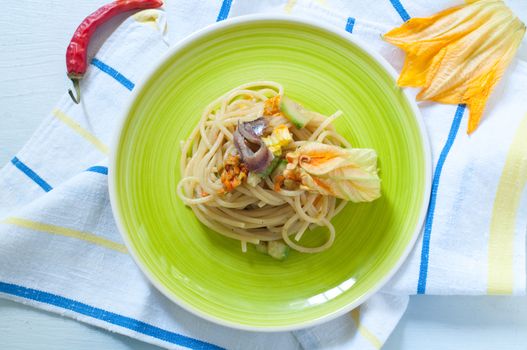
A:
[262,169]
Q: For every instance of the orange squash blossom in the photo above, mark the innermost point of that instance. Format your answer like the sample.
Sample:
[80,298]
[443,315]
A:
[459,55]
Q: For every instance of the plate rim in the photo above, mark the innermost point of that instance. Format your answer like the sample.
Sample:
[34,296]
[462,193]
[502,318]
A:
[140,85]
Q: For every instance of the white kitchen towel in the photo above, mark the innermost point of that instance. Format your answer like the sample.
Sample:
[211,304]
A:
[60,249]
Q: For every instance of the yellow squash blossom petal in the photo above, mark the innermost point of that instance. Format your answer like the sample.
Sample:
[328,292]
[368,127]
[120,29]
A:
[459,55]
[280,137]
[318,158]
[346,173]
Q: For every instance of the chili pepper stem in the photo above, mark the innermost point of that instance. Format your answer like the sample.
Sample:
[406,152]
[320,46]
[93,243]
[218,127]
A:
[77,87]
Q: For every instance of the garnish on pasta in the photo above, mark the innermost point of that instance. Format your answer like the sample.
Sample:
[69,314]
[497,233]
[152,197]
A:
[262,169]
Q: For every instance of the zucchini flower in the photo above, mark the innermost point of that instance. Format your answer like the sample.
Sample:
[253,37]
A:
[346,173]
[459,55]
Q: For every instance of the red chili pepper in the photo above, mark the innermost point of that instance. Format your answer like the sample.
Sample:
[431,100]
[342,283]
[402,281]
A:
[76,54]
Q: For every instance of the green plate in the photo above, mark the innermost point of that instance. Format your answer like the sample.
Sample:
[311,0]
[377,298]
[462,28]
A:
[205,272]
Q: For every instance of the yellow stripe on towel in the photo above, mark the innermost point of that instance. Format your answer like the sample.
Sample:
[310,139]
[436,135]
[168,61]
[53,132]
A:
[67,232]
[151,18]
[289,6]
[69,121]
[365,332]
[503,222]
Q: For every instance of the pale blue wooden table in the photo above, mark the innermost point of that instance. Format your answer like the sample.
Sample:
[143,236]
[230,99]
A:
[32,78]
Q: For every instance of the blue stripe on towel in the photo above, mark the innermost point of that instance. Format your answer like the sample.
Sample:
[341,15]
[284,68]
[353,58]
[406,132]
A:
[400,9]
[31,174]
[224,11]
[113,73]
[98,169]
[107,316]
[350,24]
[423,270]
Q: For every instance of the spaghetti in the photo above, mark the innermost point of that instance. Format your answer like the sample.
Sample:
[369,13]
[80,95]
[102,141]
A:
[250,169]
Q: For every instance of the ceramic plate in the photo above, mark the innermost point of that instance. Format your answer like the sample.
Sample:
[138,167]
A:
[323,68]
